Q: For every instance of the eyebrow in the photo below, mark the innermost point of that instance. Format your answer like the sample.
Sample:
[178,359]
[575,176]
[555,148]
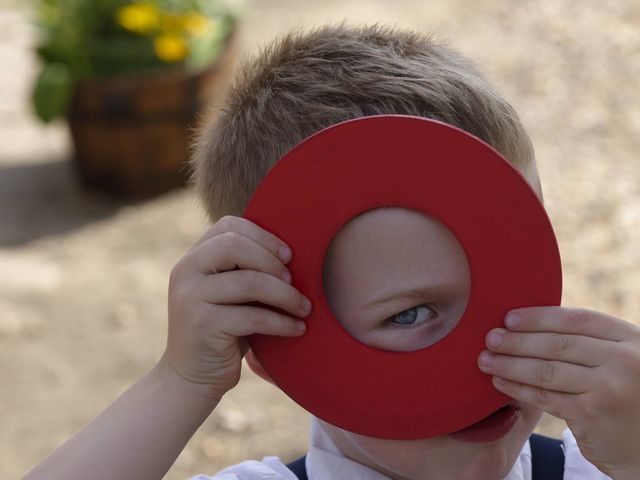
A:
[411,293]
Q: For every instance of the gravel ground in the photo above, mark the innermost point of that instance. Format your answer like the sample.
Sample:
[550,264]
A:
[83,278]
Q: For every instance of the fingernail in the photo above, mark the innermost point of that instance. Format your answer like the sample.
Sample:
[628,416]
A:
[513,320]
[286,276]
[495,339]
[306,305]
[301,326]
[284,253]
[486,359]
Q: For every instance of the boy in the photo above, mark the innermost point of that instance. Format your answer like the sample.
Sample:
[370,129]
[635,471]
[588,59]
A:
[579,365]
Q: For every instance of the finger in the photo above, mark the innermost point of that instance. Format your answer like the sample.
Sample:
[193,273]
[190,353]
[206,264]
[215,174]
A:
[244,320]
[579,321]
[232,251]
[244,286]
[248,229]
[577,349]
[550,375]
[558,404]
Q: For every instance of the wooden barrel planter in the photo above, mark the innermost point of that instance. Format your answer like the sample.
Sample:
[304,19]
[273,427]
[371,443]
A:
[132,136]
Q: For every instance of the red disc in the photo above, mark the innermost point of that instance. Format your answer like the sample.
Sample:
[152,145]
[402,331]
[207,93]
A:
[432,167]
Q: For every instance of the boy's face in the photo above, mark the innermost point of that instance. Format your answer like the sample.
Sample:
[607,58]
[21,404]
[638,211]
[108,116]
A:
[399,280]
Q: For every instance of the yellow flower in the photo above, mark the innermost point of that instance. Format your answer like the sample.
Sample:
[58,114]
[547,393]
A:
[170,47]
[194,23]
[139,17]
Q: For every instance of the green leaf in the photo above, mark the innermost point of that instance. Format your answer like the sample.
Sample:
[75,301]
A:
[52,91]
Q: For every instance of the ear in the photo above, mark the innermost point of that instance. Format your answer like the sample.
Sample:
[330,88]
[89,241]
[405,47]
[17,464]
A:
[256,367]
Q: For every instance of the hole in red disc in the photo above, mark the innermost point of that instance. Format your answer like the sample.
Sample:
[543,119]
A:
[396,279]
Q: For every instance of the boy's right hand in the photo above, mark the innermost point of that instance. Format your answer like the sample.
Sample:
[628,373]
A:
[233,264]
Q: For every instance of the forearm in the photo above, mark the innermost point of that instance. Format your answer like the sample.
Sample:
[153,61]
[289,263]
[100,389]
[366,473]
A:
[138,436]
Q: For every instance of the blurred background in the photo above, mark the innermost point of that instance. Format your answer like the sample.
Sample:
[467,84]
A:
[85,257]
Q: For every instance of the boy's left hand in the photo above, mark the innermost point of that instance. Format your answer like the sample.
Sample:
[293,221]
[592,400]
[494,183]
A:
[579,365]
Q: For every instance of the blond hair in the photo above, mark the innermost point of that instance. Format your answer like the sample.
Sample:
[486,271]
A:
[305,82]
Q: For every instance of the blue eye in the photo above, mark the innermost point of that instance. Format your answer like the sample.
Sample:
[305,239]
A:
[413,316]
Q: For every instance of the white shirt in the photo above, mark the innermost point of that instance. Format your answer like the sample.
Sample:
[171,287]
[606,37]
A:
[325,462]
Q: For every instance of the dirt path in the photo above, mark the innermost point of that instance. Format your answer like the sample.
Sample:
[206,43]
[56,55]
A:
[83,278]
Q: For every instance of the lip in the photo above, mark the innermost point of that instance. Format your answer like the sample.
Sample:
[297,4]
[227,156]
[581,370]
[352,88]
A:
[490,428]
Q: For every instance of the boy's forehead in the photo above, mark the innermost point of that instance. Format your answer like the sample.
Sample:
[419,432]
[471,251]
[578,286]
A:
[392,252]
[404,233]
[388,222]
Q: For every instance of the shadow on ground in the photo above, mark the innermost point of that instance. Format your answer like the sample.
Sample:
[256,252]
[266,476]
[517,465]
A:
[41,199]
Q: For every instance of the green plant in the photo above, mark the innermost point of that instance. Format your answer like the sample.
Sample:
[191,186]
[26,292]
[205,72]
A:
[88,39]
